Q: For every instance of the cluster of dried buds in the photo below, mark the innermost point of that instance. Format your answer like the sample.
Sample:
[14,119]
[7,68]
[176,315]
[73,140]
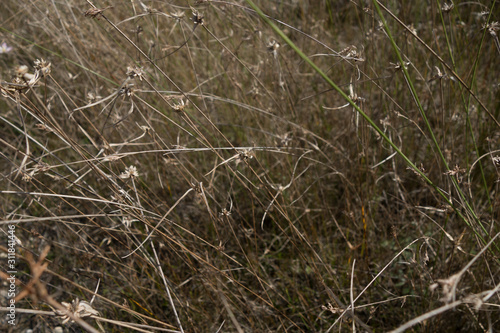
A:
[79,309]
[24,80]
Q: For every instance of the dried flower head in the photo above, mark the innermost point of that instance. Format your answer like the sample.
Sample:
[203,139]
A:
[273,47]
[456,171]
[284,140]
[439,75]
[147,9]
[492,27]
[23,79]
[496,161]
[197,18]
[483,14]
[43,127]
[16,84]
[27,177]
[412,29]
[94,12]
[225,212]
[43,66]
[397,67]
[177,15]
[331,308]
[130,172]
[180,106]
[135,72]
[353,95]
[78,309]
[244,155]
[126,91]
[351,53]
[448,287]
[447,7]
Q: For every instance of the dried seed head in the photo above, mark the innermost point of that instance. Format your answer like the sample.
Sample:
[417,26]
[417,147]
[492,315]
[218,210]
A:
[130,172]
[180,106]
[42,167]
[197,187]
[447,7]
[448,288]
[94,12]
[413,30]
[92,97]
[496,161]
[178,15]
[455,171]
[17,83]
[284,140]
[127,221]
[27,177]
[135,72]
[332,309]
[492,27]
[197,18]
[24,80]
[245,155]
[126,91]
[43,66]
[147,9]
[397,67]
[273,46]
[78,309]
[225,212]
[351,53]
[43,127]
[439,75]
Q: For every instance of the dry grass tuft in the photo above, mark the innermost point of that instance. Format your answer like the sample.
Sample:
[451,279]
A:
[178,167]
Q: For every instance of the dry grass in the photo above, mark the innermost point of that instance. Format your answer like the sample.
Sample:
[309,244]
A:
[184,169]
